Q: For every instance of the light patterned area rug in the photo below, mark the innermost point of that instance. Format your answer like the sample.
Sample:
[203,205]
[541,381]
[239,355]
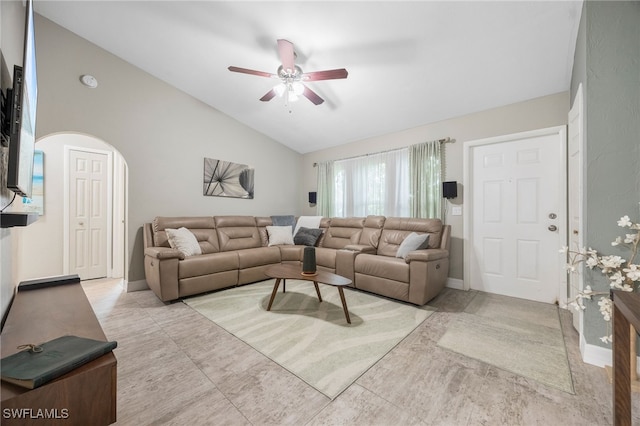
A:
[310,339]
[516,335]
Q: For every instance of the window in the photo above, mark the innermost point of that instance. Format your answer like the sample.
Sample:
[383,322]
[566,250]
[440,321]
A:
[403,182]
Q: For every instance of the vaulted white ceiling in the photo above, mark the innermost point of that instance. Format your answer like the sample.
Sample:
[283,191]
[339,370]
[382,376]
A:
[410,63]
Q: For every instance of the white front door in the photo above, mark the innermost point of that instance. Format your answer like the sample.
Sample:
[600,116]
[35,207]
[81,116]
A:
[517,216]
[88,214]
[576,138]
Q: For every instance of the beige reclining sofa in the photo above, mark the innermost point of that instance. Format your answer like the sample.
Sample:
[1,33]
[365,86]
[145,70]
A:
[235,251]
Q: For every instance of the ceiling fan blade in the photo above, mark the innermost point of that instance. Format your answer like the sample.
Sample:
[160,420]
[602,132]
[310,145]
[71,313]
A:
[285,50]
[252,72]
[268,96]
[312,96]
[325,75]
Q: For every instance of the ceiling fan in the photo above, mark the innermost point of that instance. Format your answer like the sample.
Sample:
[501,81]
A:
[291,76]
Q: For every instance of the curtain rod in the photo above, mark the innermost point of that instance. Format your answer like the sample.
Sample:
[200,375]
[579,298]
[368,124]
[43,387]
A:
[443,140]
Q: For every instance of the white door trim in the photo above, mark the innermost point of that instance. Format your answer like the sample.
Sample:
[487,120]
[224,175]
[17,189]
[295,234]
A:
[577,111]
[468,187]
[66,225]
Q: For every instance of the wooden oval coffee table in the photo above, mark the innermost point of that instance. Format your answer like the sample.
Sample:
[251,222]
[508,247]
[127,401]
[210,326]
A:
[284,271]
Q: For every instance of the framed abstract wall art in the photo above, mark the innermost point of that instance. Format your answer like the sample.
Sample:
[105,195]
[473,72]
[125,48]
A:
[227,179]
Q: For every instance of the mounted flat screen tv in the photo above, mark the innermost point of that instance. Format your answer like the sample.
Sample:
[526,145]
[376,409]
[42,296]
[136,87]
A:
[22,128]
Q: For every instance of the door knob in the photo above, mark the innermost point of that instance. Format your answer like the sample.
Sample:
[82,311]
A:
[552,228]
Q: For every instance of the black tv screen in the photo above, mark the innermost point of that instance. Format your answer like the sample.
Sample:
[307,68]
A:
[23,118]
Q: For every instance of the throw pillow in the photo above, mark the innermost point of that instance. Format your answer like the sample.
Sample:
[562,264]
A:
[412,242]
[288,220]
[182,239]
[307,222]
[307,236]
[280,235]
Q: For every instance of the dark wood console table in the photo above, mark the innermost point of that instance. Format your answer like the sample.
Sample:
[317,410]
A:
[86,395]
[626,313]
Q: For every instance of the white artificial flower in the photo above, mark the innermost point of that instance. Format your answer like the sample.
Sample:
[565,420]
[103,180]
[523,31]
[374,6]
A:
[564,249]
[607,339]
[591,252]
[605,308]
[633,272]
[616,278]
[631,238]
[617,241]
[592,262]
[611,262]
[624,222]
[587,290]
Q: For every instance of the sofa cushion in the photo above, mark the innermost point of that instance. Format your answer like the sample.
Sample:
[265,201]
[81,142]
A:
[203,227]
[343,231]
[260,256]
[412,242]
[206,264]
[182,239]
[307,236]
[280,235]
[392,268]
[237,232]
[396,230]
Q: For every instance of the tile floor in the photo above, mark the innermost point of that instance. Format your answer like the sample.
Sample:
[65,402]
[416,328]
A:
[177,368]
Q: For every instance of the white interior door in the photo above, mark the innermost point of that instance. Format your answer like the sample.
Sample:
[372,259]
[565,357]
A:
[518,215]
[88,213]
[575,195]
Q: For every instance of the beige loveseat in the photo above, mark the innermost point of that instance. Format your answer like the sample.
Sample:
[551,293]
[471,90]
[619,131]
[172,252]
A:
[235,251]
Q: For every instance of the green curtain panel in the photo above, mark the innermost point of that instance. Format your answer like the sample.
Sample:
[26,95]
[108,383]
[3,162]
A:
[324,200]
[425,173]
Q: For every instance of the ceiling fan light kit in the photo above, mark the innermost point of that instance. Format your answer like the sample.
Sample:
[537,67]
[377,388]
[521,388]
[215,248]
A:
[291,77]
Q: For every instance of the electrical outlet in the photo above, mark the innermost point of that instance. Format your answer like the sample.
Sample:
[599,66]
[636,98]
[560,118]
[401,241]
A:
[456,211]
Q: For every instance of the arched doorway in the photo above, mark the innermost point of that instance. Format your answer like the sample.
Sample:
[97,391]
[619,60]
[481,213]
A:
[51,245]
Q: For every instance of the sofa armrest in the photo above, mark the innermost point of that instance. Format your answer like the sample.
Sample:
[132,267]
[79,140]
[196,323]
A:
[163,253]
[360,248]
[427,255]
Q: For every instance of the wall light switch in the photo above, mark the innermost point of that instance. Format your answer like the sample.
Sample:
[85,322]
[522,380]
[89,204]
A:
[456,211]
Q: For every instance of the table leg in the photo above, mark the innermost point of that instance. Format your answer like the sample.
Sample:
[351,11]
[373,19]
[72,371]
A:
[284,285]
[273,293]
[315,283]
[621,369]
[344,304]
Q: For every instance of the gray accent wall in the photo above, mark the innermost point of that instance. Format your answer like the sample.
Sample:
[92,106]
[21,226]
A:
[607,64]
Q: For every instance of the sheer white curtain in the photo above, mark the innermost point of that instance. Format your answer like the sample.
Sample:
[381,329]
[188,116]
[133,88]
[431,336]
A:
[376,184]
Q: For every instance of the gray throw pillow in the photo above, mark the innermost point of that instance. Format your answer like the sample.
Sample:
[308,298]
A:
[412,242]
[284,220]
[307,236]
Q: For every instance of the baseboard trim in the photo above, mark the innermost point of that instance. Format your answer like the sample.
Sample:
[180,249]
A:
[598,356]
[138,285]
[455,283]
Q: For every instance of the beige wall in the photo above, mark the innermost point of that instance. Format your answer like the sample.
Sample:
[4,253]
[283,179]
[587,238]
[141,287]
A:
[534,114]
[162,133]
